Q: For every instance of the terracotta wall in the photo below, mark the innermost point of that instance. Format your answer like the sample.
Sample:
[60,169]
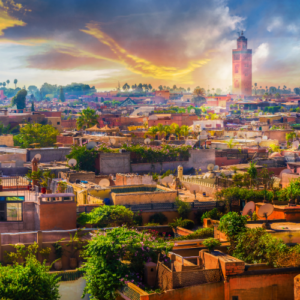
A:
[57,215]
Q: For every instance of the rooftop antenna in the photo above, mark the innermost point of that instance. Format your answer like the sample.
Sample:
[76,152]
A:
[264,212]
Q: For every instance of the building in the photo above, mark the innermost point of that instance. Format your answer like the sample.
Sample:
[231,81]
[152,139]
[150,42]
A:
[242,68]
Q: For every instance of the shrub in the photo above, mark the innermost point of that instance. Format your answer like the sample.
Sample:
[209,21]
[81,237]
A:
[257,246]
[232,224]
[187,224]
[201,233]
[31,281]
[107,216]
[152,224]
[138,219]
[105,270]
[214,214]
[183,208]
[211,244]
[158,218]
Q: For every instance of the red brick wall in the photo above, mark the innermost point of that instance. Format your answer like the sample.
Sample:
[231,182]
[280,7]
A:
[65,140]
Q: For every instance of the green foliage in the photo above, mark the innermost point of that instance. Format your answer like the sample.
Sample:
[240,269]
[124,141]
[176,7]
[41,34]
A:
[85,158]
[257,246]
[152,224]
[213,214]
[62,95]
[58,249]
[187,224]
[20,99]
[211,243]
[201,233]
[232,224]
[88,118]
[138,219]
[45,135]
[183,208]
[105,270]
[107,216]
[31,281]
[159,218]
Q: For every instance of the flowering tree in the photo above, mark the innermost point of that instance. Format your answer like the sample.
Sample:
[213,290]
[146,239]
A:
[117,258]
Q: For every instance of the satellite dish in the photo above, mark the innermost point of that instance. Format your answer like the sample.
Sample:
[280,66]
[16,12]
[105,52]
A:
[38,156]
[192,111]
[104,182]
[285,171]
[147,141]
[167,179]
[145,120]
[91,145]
[253,122]
[264,137]
[265,211]
[72,162]
[210,167]
[258,140]
[216,168]
[113,141]
[249,209]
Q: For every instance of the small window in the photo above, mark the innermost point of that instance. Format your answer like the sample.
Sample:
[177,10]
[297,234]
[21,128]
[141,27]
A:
[58,123]
[14,211]
[67,198]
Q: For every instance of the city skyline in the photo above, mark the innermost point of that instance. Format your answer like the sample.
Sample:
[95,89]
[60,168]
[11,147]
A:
[159,42]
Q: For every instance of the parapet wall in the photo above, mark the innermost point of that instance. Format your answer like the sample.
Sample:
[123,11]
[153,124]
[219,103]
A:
[133,179]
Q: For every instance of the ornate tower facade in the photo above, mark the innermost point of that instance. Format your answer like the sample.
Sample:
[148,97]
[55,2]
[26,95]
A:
[242,68]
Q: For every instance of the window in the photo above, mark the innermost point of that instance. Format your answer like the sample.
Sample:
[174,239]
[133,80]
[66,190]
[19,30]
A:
[236,56]
[14,211]
[11,208]
[235,297]
[58,123]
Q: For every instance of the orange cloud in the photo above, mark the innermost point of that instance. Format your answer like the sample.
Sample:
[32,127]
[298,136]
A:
[6,20]
[140,65]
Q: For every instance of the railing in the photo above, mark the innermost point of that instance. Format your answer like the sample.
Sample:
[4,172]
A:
[14,183]
[69,275]
[199,181]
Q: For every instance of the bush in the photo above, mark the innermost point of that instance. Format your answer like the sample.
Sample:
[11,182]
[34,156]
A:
[211,244]
[187,224]
[138,219]
[257,246]
[159,218]
[201,233]
[183,208]
[105,270]
[107,216]
[213,214]
[232,224]
[31,281]
[152,224]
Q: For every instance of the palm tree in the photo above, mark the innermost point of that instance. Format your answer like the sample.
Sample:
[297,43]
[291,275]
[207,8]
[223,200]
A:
[184,130]
[4,84]
[152,131]
[266,89]
[88,118]
[175,129]
[212,116]
[161,129]
[7,81]
[252,171]
[167,130]
[15,82]
[231,143]
[0,83]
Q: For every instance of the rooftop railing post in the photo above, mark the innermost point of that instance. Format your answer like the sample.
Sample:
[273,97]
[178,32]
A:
[39,238]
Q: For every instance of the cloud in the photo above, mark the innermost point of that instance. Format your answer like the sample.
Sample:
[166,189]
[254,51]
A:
[6,20]
[260,56]
[140,65]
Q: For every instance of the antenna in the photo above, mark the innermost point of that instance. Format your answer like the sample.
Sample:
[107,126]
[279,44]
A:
[72,162]
[147,141]
[264,212]
[38,156]
[249,209]
[91,145]
[210,167]
[104,182]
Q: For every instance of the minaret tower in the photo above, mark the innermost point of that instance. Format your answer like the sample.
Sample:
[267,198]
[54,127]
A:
[242,68]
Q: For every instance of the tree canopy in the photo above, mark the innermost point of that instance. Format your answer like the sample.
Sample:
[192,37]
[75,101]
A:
[20,99]
[45,135]
[88,118]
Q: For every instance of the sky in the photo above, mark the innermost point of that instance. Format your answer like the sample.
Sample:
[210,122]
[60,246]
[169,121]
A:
[186,43]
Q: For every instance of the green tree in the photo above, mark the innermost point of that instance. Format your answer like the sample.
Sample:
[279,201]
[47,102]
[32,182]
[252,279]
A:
[152,131]
[29,281]
[105,269]
[252,172]
[231,144]
[4,84]
[15,82]
[88,118]
[161,129]
[7,81]
[160,88]
[32,106]
[107,216]
[62,95]
[45,135]
[20,99]
[183,208]
[184,130]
